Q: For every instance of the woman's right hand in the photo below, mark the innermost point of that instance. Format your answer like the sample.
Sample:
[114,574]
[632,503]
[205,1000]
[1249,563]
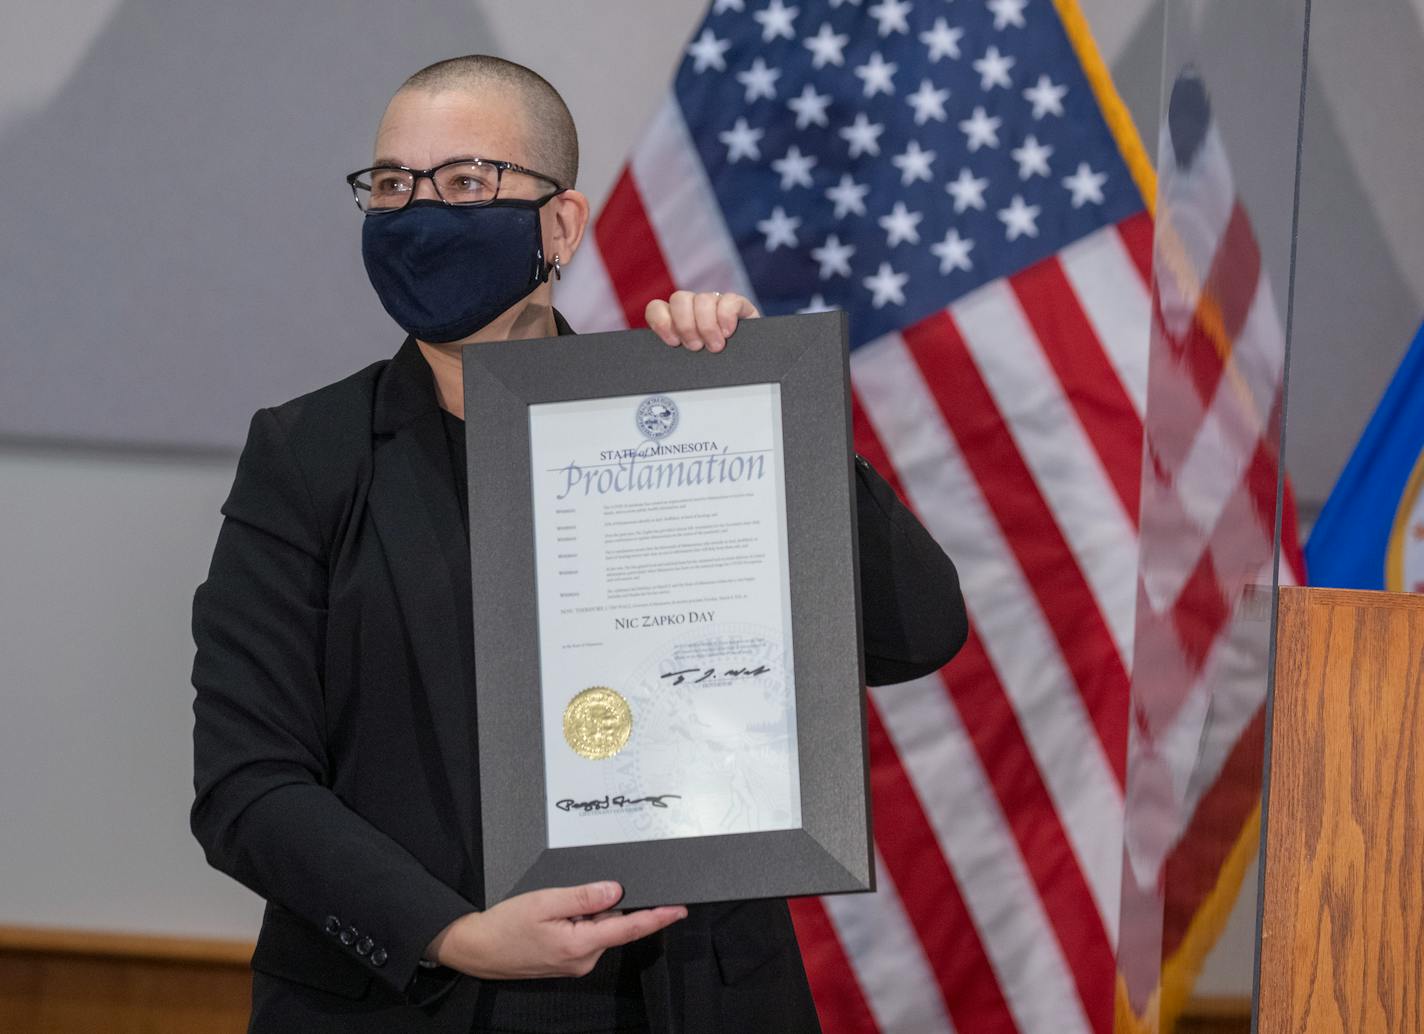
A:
[559,932]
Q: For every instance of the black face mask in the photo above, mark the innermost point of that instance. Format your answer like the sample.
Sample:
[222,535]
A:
[444,271]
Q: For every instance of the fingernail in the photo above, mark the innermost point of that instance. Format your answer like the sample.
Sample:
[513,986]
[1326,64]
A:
[728,327]
[608,889]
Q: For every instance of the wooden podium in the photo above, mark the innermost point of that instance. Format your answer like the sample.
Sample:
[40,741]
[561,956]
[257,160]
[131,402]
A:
[1342,929]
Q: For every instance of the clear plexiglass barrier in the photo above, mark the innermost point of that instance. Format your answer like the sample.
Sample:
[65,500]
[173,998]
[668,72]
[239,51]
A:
[1216,513]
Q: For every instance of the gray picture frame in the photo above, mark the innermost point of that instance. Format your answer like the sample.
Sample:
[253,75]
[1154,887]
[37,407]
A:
[807,356]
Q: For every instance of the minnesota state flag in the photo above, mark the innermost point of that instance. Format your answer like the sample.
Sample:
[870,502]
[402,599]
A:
[1371,533]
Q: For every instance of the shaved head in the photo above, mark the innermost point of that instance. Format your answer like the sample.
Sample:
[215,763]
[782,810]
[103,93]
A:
[549,132]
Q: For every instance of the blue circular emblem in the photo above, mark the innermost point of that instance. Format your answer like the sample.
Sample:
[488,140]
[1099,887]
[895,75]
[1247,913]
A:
[657,417]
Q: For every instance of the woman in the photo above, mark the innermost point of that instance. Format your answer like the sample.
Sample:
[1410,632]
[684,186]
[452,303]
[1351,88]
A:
[335,745]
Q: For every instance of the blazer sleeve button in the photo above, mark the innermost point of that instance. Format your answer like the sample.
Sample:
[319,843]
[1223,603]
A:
[348,936]
[378,957]
[333,925]
[364,946]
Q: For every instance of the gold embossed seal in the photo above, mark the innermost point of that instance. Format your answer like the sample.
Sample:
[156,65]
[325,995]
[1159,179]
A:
[597,723]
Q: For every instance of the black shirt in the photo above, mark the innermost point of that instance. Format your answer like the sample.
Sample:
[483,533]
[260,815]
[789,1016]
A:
[608,999]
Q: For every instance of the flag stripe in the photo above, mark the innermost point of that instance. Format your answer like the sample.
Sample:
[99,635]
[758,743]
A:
[1070,903]
[1217,649]
[1222,304]
[1018,373]
[1214,649]
[587,292]
[1057,582]
[678,200]
[636,265]
[1192,866]
[1236,271]
[1136,234]
[840,1002]
[1028,963]
[1075,348]
[1259,356]
[934,904]
[869,445]
[1101,274]
[1232,684]
[1200,611]
[911,852]
[912,856]
[1211,471]
[1229,770]
[1021,651]
[888,955]
[1017,779]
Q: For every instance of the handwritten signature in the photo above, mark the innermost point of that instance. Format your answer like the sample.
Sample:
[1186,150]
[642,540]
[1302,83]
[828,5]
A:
[606,802]
[707,673]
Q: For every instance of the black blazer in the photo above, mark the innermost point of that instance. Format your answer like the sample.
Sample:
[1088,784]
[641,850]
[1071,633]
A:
[334,742]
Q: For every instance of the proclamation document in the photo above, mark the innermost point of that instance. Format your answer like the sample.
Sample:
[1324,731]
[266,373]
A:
[666,674]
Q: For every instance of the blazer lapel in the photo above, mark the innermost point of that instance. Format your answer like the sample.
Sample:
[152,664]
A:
[417,517]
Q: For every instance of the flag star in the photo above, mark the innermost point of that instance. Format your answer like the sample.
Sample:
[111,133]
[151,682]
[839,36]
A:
[723,6]
[759,80]
[848,196]
[1019,219]
[914,164]
[741,141]
[890,14]
[776,21]
[953,252]
[877,74]
[967,191]
[887,286]
[1046,98]
[863,136]
[794,168]
[900,226]
[1086,185]
[834,257]
[779,229]
[816,304]
[993,69]
[707,50]
[1007,12]
[810,107]
[1032,157]
[928,103]
[981,129]
[826,47]
[942,40]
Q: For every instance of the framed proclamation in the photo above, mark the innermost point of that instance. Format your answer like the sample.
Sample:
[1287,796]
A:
[669,671]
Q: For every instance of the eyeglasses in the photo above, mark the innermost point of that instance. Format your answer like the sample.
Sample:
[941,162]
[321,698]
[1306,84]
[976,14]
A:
[463,181]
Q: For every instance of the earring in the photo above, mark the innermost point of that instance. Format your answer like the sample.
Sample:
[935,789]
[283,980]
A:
[558,269]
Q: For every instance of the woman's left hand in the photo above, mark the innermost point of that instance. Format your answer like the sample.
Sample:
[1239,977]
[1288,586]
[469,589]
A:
[693,321]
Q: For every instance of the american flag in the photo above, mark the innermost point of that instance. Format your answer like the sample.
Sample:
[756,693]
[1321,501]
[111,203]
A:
[961,179]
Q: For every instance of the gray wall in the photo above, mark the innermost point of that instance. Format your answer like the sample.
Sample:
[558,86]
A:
[190,251]
[103,546]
